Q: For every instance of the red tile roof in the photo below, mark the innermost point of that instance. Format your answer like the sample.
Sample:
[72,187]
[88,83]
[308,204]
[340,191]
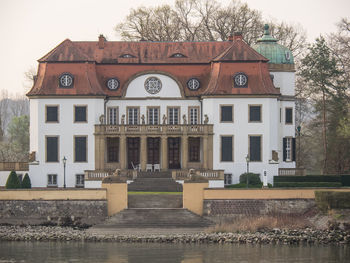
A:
[213,63]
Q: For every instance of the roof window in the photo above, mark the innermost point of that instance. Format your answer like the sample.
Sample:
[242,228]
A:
[127,56]
[178,55]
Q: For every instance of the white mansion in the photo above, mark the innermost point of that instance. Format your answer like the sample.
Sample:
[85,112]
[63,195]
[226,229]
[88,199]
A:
[162,106]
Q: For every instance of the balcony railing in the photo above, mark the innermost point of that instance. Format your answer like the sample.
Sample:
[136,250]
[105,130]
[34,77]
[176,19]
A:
[209,174]
[198,129]
[14,166]
[291,171]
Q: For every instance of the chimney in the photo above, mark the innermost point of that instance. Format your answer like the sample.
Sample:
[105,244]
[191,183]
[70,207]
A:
[237,36]
[101,41]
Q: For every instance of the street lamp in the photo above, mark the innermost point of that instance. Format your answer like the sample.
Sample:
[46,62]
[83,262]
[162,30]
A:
[64,171]
[247,158]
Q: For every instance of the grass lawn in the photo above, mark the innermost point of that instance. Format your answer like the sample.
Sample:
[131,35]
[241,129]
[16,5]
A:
[155,193]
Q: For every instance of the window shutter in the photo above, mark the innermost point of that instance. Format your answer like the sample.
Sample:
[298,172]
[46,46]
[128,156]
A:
[284,149]
[293,150]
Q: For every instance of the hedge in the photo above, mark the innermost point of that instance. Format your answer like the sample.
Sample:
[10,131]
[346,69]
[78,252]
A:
[243,185]
[330,199]
[345,180]
[26,184]
[253,179]
[308,178]
[307,184]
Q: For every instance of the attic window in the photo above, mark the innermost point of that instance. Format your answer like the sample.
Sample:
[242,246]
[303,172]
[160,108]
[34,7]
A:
[66,80]
[177,55]
[127,56]
[240,80]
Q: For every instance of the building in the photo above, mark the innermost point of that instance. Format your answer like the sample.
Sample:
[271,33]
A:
[162,105]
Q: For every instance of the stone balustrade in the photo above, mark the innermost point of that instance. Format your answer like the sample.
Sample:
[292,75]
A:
[14,166]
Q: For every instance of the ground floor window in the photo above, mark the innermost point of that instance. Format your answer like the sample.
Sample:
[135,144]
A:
[79,180]
[228,179]
[194,144]
[255,148]
[226,149]
[80,149]
[52,180]
[288,149]
[112,149]
[52,149]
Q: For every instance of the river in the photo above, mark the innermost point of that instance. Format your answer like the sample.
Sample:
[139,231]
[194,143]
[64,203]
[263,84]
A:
[171,253]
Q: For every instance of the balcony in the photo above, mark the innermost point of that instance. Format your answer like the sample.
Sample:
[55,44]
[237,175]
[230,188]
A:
[142,129]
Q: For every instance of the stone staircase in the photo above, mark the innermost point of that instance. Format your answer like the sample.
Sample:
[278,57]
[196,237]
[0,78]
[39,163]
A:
[154,182]
[155,218]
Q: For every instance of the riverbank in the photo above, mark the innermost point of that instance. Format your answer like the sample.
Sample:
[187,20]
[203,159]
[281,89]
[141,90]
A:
[276,236]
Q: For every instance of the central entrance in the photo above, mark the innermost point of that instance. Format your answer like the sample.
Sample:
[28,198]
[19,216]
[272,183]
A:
[133,144]
[174,152]
[153,150]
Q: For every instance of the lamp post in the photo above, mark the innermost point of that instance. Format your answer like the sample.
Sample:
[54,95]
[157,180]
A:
[247,158]
[298,130]
[64,171]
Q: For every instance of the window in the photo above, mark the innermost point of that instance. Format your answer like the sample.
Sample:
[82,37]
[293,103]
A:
[66,80]
[289,115]
[52,180]
[193,113]
[255,148]
[288,149]
[226,149]
[227,179]
[226,113]
[193,84]
[80,113]
[173,116]
[112,115]
[240,80]
[79,180]
[52,149]
[133,116]
[254,113]
[51,113]
[194,145]
[112,149]
[80,149]
[153,116]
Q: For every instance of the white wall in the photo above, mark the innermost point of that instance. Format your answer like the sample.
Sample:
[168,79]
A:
[285,81]
[66,129]
[136,88]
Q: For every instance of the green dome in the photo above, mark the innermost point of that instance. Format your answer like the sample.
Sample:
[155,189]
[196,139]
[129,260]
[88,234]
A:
[268,47]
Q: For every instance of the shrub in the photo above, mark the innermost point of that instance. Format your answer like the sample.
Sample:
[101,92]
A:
[308,184]
[13,181]
[253,179]
[330,199]
[244,185]
[26,184]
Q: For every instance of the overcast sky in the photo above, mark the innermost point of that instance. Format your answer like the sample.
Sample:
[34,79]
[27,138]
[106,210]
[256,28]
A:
[31,28]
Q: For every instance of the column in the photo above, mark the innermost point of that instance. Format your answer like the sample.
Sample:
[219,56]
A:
[164,153]
[210,152]
[184,151]
[143,156]
[205,151]
[122,152]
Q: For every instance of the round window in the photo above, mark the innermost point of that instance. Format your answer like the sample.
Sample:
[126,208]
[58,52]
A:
[66,80]
[113,83]
[240,80]
[193,84]
[153,85]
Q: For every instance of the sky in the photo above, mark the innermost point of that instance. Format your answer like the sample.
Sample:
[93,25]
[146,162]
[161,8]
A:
[31,28]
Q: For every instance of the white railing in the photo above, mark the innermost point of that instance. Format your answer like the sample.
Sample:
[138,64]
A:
[291,171]
[97,175]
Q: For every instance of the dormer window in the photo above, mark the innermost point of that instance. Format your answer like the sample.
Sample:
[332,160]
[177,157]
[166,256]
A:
[177,55]
[240,80]
[66,80]
[127,56]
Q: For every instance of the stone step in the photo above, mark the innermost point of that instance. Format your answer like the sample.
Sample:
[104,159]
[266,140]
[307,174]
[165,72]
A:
[155,185]
[155,218]
[155,201]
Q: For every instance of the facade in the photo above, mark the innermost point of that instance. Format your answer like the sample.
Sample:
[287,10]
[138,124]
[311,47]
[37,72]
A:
[162,106]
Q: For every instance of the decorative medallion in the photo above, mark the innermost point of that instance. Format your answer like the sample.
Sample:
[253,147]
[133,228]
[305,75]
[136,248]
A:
[113,83]
[66,80]
[240,80]
[193,84]
[153,85]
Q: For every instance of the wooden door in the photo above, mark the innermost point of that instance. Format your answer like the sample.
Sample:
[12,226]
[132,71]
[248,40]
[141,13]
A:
[153,150]
[133,145]
[174,153]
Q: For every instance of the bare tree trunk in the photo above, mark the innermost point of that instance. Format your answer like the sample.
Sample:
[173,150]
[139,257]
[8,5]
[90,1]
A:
[324,134]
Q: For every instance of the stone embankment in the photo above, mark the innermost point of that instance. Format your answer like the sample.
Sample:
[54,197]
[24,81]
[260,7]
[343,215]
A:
[276,236]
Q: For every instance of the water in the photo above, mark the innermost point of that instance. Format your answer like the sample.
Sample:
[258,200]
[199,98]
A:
[171,253]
